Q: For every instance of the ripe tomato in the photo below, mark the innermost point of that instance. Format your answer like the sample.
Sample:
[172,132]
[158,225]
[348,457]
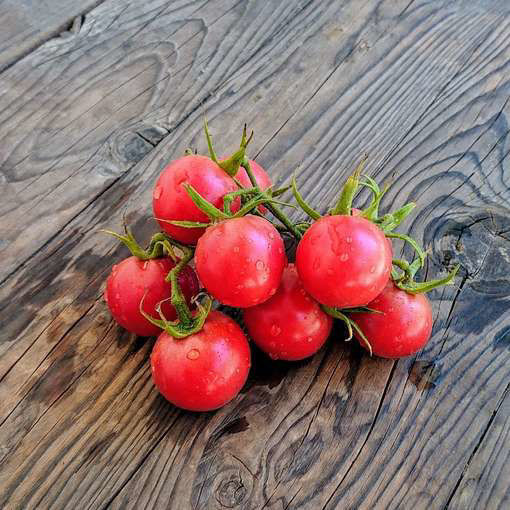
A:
[402,329]
[205,370]
[290,325]
[344,261]
[131,279]
[240,261]
[170,201]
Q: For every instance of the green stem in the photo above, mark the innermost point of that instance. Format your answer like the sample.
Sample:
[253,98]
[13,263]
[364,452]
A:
[178,300]
[273,208]
[230,197]
[186,323]
[416,247]
[212,154]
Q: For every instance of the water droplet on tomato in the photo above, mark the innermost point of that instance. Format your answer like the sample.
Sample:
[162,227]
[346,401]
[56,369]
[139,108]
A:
[372,269]
[280,251]
[240,286]
[271,235]
[157,192]
[309,339]
[145,264]
[302,291]
[275,330]
[348,240]
[260,265]
[117,296]
[193,354]
[235,249]
[316,263]
[344,257]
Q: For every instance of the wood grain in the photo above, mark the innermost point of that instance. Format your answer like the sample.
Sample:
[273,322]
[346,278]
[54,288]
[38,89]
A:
[26,24]
[422,88]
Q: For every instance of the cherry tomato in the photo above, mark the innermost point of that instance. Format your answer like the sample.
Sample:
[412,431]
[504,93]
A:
[205,370]
[344,261]
[170,201]
[133,278]
[240,261]
[402,329]
[290,325]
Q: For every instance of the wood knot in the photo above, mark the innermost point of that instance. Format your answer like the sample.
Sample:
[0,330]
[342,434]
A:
[231,491]
[478,240]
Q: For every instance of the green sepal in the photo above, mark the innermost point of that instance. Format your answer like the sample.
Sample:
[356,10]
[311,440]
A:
[413,287]
[204,205]
[344,204]
[302,203]
[351,325]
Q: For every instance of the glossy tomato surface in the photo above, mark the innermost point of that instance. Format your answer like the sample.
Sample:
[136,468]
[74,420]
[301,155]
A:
[131,279]
[402,329]
[240,261]
[203,371]
[170,201]
[290,325]
[344,261]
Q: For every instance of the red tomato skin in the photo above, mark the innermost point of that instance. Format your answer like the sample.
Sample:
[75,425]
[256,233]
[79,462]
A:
[290,325]
[344,261]
[131,279]
[203,371]
[240,261]
[404,327]
[359,212]
[170,201]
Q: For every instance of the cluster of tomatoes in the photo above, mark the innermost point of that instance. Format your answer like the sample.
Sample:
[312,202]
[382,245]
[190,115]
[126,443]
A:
[217,245]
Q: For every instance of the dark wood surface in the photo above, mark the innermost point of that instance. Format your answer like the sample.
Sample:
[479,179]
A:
[87,121]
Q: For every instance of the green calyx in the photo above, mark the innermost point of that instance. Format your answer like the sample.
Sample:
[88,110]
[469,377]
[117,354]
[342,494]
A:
[230,165]
[159,246]
[351,325]
[344,204]
[187,323]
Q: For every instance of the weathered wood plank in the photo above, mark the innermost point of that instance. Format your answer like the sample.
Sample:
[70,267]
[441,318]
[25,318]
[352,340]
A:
[81,111]
[26,24]
[341,430]
[484,483]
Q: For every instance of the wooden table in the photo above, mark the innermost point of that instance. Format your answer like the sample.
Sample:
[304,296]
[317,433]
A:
[96,96]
